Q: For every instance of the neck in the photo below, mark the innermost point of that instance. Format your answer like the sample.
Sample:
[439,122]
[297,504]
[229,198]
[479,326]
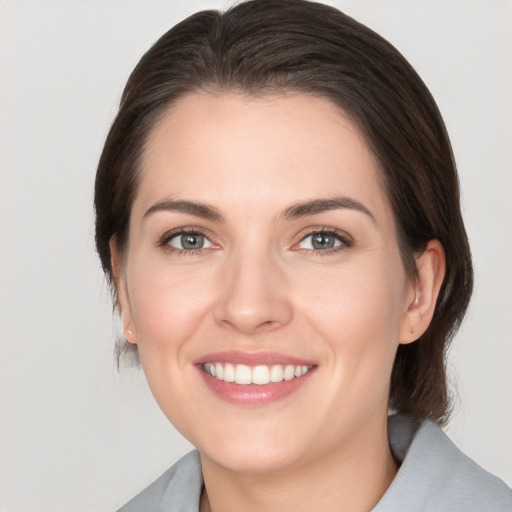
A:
[353,478]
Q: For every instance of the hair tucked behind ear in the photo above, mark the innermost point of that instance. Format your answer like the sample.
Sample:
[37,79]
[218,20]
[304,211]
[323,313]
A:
[272,46]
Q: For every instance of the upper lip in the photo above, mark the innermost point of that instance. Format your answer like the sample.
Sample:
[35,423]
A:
[253,358]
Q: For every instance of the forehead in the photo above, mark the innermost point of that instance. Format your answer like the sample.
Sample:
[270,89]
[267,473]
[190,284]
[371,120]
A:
[256,151]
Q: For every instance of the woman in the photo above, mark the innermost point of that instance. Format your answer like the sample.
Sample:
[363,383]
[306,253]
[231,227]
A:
[278,212]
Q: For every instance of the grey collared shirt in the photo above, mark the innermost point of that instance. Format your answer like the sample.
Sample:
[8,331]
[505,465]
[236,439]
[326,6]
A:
[434,476]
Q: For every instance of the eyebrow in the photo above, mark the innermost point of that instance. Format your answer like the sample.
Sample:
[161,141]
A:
[322,205]
[197,209]
[295,211]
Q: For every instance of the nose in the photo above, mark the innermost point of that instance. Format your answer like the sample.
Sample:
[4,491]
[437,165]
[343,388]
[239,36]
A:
[253,294]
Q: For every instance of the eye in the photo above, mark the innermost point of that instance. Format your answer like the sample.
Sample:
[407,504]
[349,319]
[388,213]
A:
[189,241]
[323,241]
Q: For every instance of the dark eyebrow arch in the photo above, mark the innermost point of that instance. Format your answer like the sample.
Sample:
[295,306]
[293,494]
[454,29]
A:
[322,205]
[198,209]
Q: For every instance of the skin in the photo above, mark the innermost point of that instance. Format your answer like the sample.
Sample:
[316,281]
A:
[258,284]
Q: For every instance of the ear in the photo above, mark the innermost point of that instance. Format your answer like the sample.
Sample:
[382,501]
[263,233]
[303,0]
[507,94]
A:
[421,303]
[123,302]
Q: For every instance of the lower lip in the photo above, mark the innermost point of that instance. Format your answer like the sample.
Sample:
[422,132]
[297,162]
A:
[254,394]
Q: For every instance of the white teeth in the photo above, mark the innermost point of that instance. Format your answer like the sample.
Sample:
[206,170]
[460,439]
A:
[229,373]
[219,371]
[300,370]
[289,372]
[209,368]
[276,373]
[260,375]
[242,374]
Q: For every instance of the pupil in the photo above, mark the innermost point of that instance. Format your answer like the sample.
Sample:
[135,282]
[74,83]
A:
[323,241]
[191,241]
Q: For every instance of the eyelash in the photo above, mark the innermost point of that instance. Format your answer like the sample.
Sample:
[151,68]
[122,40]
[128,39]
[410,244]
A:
[164,240]
[346,241]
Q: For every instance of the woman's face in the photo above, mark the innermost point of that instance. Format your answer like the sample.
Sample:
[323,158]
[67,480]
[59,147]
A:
[262,244]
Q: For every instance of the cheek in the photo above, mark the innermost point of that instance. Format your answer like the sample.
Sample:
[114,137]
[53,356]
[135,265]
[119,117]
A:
[360,296]
[358,310]
[168,309]
[166,305]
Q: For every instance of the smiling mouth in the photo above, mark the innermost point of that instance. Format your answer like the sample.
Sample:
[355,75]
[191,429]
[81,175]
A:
[260,375]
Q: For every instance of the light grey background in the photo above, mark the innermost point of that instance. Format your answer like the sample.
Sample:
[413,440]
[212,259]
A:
[76,435]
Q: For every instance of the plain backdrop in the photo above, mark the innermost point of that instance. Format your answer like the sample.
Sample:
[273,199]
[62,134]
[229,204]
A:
[76,435]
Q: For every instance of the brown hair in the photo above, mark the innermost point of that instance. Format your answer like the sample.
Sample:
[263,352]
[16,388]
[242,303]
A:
[272,46]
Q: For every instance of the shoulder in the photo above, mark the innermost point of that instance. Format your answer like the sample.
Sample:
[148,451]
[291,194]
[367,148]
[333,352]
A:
[457,481]
[436,476]
[179,487]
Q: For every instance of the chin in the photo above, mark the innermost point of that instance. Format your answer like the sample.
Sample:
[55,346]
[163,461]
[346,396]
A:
[253,453]
[253,460]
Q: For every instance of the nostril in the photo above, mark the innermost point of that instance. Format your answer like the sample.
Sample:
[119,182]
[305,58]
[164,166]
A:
[249,326]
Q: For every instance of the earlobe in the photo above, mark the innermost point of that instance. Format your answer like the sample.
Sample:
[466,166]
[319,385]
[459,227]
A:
[123,303]
[431,265]
[128,333]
